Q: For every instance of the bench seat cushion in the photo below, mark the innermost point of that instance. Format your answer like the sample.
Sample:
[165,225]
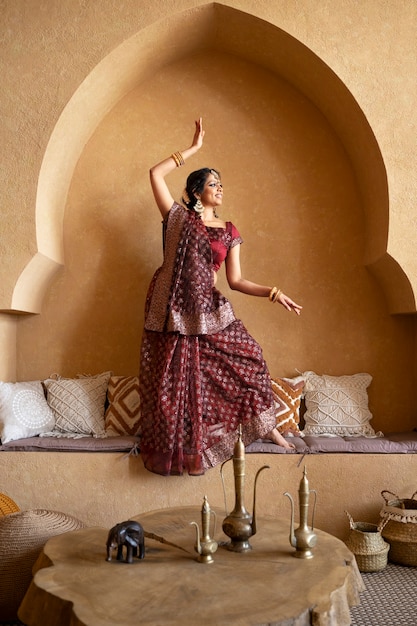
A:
[394,443]
[122,443]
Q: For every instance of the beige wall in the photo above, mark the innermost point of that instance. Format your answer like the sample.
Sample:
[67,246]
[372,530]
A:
[310,112]
[291,190]
[101,489]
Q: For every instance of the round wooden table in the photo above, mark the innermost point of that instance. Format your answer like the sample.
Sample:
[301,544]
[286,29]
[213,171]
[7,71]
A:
[76,586]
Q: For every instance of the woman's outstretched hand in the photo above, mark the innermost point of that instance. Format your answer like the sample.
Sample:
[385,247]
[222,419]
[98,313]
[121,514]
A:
[198,134]
[289,304]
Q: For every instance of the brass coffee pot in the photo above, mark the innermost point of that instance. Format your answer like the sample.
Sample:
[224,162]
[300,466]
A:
[239,525]
[303,538]
[205,546]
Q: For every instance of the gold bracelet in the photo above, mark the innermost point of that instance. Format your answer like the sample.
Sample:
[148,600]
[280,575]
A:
[277,295]
[274,294]
[178,158]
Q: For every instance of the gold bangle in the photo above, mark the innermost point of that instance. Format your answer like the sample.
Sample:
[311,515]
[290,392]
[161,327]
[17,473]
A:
[277,295]
[274,294]
[178,158]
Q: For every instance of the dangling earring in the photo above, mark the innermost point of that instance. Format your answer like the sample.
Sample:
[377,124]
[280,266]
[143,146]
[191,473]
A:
[215,214]
[198,207]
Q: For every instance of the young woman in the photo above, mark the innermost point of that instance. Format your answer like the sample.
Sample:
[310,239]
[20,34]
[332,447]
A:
[201,373]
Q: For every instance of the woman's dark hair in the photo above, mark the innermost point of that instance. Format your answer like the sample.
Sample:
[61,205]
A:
[195,185]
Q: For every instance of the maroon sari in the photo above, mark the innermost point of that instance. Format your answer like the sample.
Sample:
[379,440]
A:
[201,373]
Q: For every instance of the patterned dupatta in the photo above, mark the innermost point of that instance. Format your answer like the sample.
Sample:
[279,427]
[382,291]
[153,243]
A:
[182,297]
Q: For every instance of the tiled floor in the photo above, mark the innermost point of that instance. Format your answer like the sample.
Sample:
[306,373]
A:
[390,598]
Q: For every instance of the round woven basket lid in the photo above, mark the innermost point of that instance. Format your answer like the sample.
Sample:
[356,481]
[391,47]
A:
[7,505]
[35,525]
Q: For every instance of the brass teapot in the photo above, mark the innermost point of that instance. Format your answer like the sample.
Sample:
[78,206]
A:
[205,546]
[303,538]
[240,525]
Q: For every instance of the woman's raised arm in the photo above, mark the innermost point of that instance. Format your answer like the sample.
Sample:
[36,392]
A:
[161,192]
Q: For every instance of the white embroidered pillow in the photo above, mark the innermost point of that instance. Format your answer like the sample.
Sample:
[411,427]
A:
[78,404]
[24,411]
[337,405]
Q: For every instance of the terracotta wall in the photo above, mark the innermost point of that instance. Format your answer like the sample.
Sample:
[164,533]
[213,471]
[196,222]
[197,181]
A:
[317,165]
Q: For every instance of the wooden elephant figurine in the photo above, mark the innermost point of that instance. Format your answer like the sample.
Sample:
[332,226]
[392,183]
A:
[129,534]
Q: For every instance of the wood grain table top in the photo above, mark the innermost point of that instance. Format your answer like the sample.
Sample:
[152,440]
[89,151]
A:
[76,586]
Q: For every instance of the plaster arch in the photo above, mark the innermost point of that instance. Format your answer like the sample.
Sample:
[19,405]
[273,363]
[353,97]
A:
[214,25]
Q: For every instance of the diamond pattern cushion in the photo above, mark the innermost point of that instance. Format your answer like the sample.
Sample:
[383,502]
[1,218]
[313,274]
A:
[123,412]
[78,404]
[288,393]
[337,405]
[24,411]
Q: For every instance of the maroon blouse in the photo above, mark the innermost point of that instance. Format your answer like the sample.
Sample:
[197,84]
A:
[221,241]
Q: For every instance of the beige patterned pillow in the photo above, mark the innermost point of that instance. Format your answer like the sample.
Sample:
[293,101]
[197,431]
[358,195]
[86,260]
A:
[123,412]
[24,411]
[78,404]
[287,393]
[337,405]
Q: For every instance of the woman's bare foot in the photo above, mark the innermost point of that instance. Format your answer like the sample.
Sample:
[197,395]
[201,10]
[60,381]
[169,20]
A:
[277,438]
[291,432]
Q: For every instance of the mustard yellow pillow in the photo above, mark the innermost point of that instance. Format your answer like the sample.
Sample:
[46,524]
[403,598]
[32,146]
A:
[122,415]
[287,393]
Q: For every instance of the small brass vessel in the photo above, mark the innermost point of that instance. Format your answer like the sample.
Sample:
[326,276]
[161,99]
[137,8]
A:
[303,539]
[205,546]
[240,525]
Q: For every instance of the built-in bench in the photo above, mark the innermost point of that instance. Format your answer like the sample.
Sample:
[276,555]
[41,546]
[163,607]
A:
[103,481]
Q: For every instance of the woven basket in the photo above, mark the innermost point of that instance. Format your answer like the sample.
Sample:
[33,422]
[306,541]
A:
[7,505]
[22,537]
[400,515]
[368,546]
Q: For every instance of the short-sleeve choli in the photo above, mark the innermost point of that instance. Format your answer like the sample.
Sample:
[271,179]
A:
[221,241]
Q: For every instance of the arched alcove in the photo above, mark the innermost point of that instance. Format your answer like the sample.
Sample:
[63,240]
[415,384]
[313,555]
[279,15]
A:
[219,27]
[308,186]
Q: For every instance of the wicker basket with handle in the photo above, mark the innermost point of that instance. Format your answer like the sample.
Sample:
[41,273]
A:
[367,544]
[400,530]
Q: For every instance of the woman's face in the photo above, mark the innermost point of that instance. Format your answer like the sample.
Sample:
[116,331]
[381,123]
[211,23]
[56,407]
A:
[212,194]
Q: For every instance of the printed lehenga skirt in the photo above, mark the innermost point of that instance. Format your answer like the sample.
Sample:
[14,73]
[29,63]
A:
[195,391]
